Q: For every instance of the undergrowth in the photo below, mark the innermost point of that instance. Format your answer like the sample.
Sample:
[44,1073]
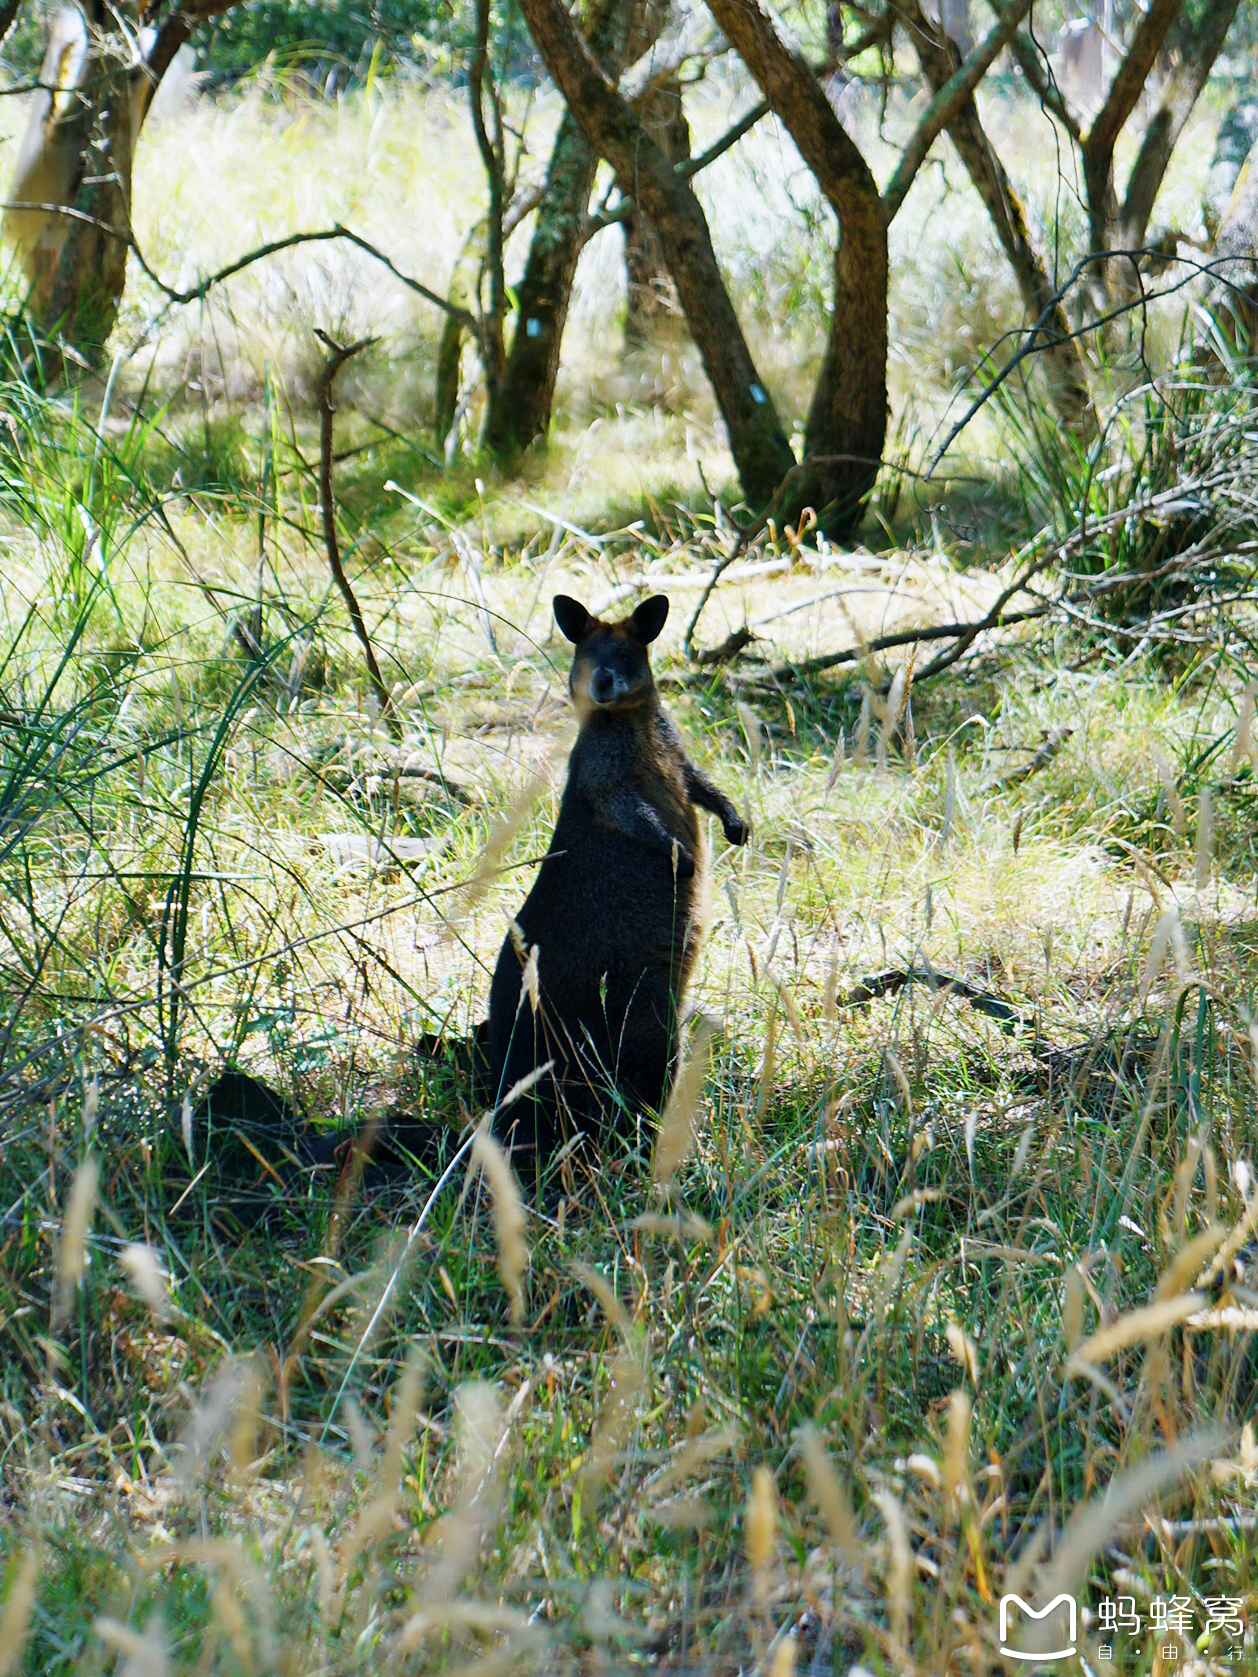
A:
[949,1296]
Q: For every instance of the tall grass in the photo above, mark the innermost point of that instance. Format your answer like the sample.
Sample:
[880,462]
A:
[921,1296]
[907,1306]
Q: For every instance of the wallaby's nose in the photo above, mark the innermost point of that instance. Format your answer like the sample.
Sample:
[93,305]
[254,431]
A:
[603,686]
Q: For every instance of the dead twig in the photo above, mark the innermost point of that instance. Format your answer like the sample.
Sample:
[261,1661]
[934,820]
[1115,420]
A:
[336,360]
[964,634]
[729,648]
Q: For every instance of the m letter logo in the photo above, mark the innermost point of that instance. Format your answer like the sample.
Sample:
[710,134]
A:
[1007,1601]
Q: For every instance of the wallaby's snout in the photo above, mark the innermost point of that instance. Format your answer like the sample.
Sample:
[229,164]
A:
[603,685]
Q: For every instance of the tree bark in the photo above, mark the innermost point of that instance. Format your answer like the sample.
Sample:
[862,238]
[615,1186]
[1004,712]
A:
[519,410]
[847,419]
[758,443]
[76,298]
[1233,298]
[646,272]
[491,150]
[1067,377]
[1120,102]
[1167,123]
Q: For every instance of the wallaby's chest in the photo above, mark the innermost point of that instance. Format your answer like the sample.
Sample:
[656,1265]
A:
[637,756]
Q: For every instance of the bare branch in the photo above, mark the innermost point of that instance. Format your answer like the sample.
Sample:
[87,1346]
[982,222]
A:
[1068,383]
[1033,62]
[8,18]
[692,165]
[336,360]
[491,151]
[947,102]
[1038,338]
[197,292]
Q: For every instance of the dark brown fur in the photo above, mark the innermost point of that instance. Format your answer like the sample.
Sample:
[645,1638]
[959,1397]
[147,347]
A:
[617,910]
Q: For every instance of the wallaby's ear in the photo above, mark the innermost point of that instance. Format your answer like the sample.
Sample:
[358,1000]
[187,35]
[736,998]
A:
[571,617]
[649,618]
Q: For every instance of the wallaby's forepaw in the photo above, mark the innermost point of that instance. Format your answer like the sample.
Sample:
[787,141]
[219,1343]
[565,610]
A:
[684,862]
[736,829]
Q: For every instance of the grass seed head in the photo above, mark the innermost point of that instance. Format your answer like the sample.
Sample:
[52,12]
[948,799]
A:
[677,1126]
[784,1658]
[143,1653]
[615,1420]
[1205,838]
[826,1489]
[15,1617]
[509,1217]
[899,1565]
[760,1531]
[72,1252]
[957,1446]
[145,1273]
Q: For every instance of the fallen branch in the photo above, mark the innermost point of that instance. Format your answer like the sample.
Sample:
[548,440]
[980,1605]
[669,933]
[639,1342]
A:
[339,356]
[730,647]
[1045,753]
[964,633]
[341,778]
[748,534]
[893,980]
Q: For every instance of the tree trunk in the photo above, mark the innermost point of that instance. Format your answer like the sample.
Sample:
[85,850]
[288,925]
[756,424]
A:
[520,409]
[1237,133]
[493,156]
[758,443]
[1124,92]
[1233,296]
[847,420]
[76,156]
[1061,355]
[651,292]
[82,303]
[1167,123]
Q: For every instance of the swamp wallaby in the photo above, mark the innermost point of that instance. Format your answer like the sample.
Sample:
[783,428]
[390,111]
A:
[617,910]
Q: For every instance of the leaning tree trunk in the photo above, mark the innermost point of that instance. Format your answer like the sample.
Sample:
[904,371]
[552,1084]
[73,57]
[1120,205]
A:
[757,441]
[651,292]
[1120,101]
[847,420]
[1202,48]
[69,202]
[1059,350]
[520,408]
